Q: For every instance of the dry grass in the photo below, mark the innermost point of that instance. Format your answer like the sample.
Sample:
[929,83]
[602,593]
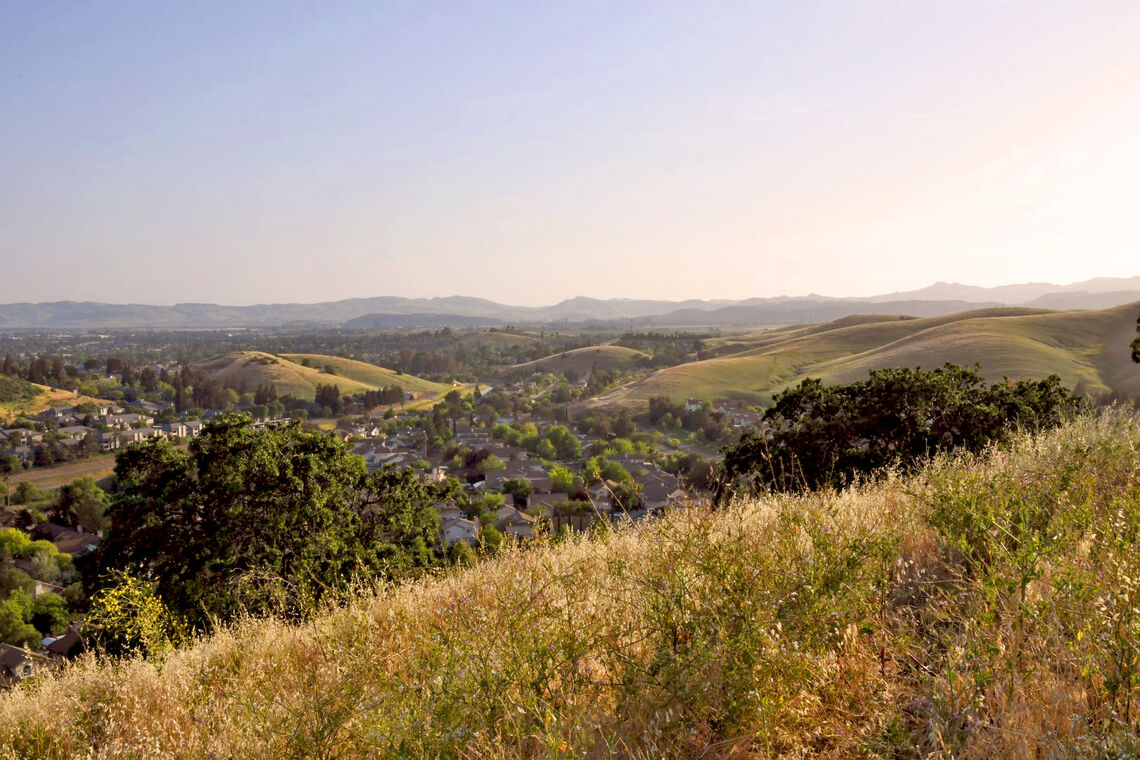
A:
[48,398]
[368,374]
[583,360]
[1086,348]
[985,609]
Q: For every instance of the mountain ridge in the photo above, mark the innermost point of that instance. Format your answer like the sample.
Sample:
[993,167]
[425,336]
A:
[393,312]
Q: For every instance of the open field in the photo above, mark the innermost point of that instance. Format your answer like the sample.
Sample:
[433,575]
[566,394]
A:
[1088,349]
[583,360]
[979,607]
[45,478]
[253,368]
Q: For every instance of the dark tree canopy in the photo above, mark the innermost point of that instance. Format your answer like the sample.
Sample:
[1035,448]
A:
[1136,343]
[246,518]
[818,435]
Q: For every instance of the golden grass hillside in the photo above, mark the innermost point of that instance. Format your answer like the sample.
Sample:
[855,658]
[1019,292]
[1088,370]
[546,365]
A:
[254,368]
[583,360]
[1088,349]
[46,398]
[368,374]
[499,339]
[988,607]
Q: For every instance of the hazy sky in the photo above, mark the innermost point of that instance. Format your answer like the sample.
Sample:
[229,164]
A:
[242,152]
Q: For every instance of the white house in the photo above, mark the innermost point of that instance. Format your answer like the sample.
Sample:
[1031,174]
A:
[459,529]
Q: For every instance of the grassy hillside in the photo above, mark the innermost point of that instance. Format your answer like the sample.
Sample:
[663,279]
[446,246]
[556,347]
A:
[583,360]
[290,377]
[1086,348]
[254,368]
[19,397]
[498,339]
[368,374]
[987,608]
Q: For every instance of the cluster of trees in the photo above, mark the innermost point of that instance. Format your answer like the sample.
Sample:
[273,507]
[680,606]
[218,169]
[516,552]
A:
[667,349]
[392,394]
[818,435]
[605,425]
[711,424]
[24,617]
[624,489]
[328,400]
[695,470]
[45,370]
[256,520]
[557,442]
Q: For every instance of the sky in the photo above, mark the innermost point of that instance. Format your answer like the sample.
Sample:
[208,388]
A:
[253,152]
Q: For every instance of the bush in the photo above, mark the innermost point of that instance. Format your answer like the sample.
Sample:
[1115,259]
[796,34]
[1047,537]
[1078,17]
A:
[127,616]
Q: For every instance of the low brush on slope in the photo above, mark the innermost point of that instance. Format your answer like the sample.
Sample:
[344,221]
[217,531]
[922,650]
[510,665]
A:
[986,608]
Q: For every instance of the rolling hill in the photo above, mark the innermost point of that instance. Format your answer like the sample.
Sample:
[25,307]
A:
[498,339]
[368,374]
[582,360]
[253,368]
[1088,349]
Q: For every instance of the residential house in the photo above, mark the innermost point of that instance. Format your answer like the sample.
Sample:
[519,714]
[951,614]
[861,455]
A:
[108,441]
[43,587]
[62,646]
[138,435]
[660,489]
[74,431]
[18,436]
[173,429]
[513,522]
[547,502]
[60,414]
[77,543]
[127,421]
[16,664]
[448,510]
[458,529]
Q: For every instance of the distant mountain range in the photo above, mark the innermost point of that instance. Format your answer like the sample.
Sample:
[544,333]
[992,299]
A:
[392,312]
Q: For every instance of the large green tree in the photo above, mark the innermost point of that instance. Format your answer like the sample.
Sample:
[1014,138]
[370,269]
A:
[819,435]
[252,519]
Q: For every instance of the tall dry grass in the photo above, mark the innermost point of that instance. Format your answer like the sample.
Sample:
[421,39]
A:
[987,608]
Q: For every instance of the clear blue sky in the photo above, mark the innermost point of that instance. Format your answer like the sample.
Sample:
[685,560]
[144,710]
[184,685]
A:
[241,152]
